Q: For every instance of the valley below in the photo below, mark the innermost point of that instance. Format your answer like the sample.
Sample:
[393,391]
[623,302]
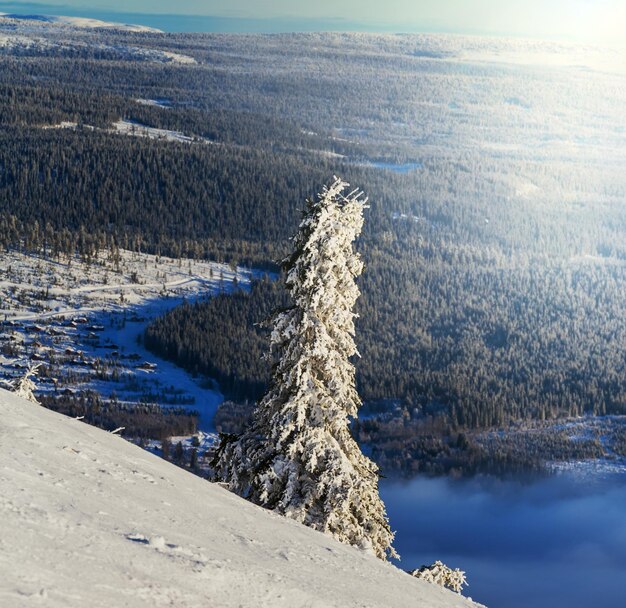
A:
[150,184]
[82,325]
[87,341]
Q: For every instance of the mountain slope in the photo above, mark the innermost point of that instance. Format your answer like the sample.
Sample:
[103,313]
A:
[71,23]
[89,519]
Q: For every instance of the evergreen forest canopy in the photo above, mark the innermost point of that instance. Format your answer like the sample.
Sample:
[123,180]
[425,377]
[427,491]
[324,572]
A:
[494,245]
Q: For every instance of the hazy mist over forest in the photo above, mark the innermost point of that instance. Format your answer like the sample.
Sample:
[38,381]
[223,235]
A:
[581,21]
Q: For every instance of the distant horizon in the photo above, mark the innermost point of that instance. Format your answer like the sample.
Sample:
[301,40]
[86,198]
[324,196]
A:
[250,22]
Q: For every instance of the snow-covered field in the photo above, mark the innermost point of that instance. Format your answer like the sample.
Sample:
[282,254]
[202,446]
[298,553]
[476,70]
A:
[137,129]
[520,52]
[82,321]
[129,127]
[158,103]
[17,42]
[593,470]
[587,448]
[38,45]
[87,519]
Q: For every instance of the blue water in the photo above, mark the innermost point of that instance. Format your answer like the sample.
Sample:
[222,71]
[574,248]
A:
[550,544]
[185,23]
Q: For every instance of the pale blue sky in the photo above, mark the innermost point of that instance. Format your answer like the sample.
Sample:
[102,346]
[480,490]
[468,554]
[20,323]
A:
[581,20]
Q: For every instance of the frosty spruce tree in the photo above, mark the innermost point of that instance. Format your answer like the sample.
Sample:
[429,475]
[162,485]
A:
[298,457]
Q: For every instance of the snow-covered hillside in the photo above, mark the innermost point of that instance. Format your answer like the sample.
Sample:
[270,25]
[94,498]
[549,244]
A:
[73,22]
[42,35]
[87,519]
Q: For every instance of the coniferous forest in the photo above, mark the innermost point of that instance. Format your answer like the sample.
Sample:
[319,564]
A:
[494,243]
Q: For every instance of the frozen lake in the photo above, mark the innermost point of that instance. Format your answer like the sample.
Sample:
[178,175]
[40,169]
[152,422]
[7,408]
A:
[554,542]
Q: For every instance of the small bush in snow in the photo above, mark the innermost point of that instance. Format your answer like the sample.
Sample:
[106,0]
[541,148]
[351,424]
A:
[24,386]
[440,574]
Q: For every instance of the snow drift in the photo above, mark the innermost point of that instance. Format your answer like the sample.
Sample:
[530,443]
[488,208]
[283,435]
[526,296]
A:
[87,518]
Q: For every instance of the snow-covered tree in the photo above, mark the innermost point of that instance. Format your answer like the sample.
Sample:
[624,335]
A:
[24,386]
[298,457]
[440,574]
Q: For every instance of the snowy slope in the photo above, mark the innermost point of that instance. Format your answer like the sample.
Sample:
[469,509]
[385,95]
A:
[87,519]
[74,22]
[66,36]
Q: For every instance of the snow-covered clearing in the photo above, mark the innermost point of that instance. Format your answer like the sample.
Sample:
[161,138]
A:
[158,103]
[42,46]
[591,471]
[65,124]
[17,42]
[546,55]
[88,519]
[605,430]
[74,315]
[137,129]
[130,127]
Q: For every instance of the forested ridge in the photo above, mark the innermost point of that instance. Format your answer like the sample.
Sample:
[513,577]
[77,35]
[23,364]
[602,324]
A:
[495,259]
[484,367]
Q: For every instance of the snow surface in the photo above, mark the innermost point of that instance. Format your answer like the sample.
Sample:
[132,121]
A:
[37,44]
[137,129]
[64,124]
[130,127]
[87,519]
[166,104]
[12,42]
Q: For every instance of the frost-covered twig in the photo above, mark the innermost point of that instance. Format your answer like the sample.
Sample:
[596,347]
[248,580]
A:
[119,429]
[440,574]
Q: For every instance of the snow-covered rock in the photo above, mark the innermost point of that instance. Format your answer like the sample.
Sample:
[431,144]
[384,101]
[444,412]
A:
[87,519]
